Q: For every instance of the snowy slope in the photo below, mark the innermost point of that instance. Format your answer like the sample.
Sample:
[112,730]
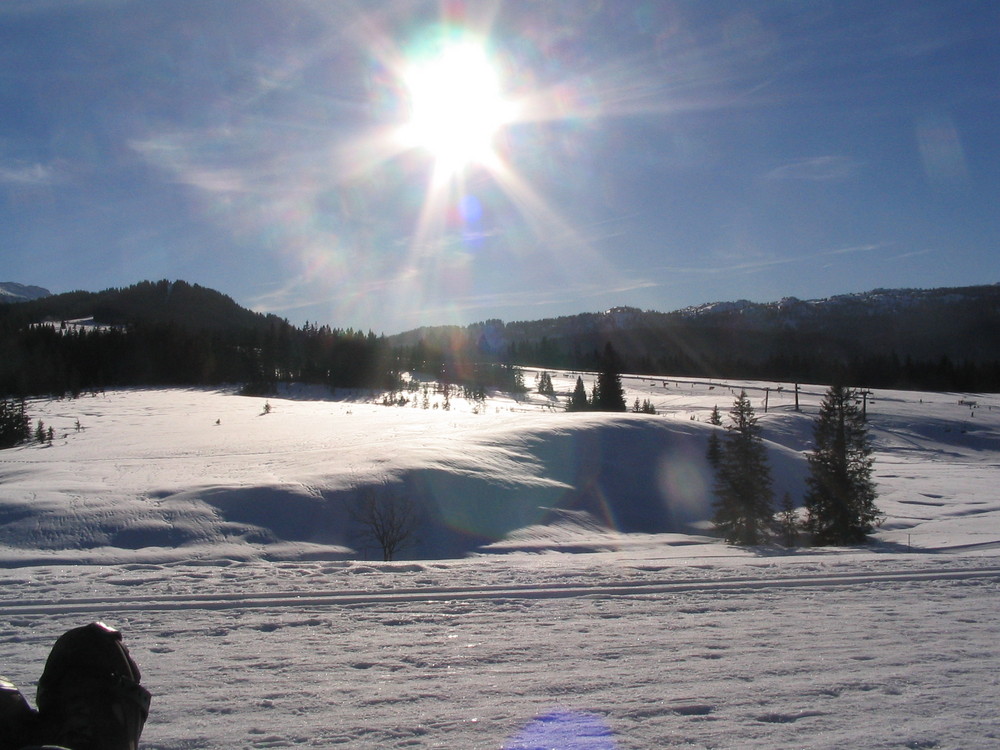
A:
[254,633]
[159,475]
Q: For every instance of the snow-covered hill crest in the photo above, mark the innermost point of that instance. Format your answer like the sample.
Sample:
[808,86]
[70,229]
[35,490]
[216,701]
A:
[11,291]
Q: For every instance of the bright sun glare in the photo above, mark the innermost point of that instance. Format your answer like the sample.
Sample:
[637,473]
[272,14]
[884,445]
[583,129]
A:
[457,106]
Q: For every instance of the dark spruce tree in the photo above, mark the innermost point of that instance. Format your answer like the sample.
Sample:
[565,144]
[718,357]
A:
[744,504]
[545,386]
[609,395]
[840,495]
[578,401]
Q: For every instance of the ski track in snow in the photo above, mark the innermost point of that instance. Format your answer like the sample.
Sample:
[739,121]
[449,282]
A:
[377,598]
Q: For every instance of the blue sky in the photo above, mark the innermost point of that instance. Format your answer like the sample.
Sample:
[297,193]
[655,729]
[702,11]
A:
[664,154]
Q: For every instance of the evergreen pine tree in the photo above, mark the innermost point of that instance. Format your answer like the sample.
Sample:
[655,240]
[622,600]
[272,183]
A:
[744,505]
[545,386]
[610,395]
[516,375]
[578,401]
[840,498]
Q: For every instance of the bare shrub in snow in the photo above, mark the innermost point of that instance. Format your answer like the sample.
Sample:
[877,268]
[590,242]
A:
[387,517]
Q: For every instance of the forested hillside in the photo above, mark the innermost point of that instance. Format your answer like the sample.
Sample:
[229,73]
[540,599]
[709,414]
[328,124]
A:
[168,333]
[175,333]
[938,339]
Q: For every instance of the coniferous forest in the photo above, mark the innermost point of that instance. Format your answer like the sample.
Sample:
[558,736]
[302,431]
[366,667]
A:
[175,333]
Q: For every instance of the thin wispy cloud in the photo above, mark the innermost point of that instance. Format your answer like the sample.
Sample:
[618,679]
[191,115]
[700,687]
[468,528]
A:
[209,161]
[816,169]
[868,248]
[308,290]
[913,254]
[27,174]
[736,264]
[432,247]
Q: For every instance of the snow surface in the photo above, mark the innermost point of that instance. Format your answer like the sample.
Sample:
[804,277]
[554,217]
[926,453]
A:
[223,552]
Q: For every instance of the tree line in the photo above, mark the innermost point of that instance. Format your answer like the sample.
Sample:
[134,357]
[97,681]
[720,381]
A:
[42,360]
[805,364]
[46,360]
[125,347]
[174,333]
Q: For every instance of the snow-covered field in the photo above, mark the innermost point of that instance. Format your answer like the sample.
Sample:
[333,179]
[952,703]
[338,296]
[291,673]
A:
[215,536]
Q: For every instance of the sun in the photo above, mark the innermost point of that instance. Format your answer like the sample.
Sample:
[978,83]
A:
[456,106]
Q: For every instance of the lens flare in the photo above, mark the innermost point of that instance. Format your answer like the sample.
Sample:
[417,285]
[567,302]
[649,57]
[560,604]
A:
[565,729]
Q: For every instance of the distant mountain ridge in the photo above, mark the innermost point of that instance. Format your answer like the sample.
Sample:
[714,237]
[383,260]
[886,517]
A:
[788,313]
[11,291]
[884,335]
[160,302]
[877,300]
[181,333]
